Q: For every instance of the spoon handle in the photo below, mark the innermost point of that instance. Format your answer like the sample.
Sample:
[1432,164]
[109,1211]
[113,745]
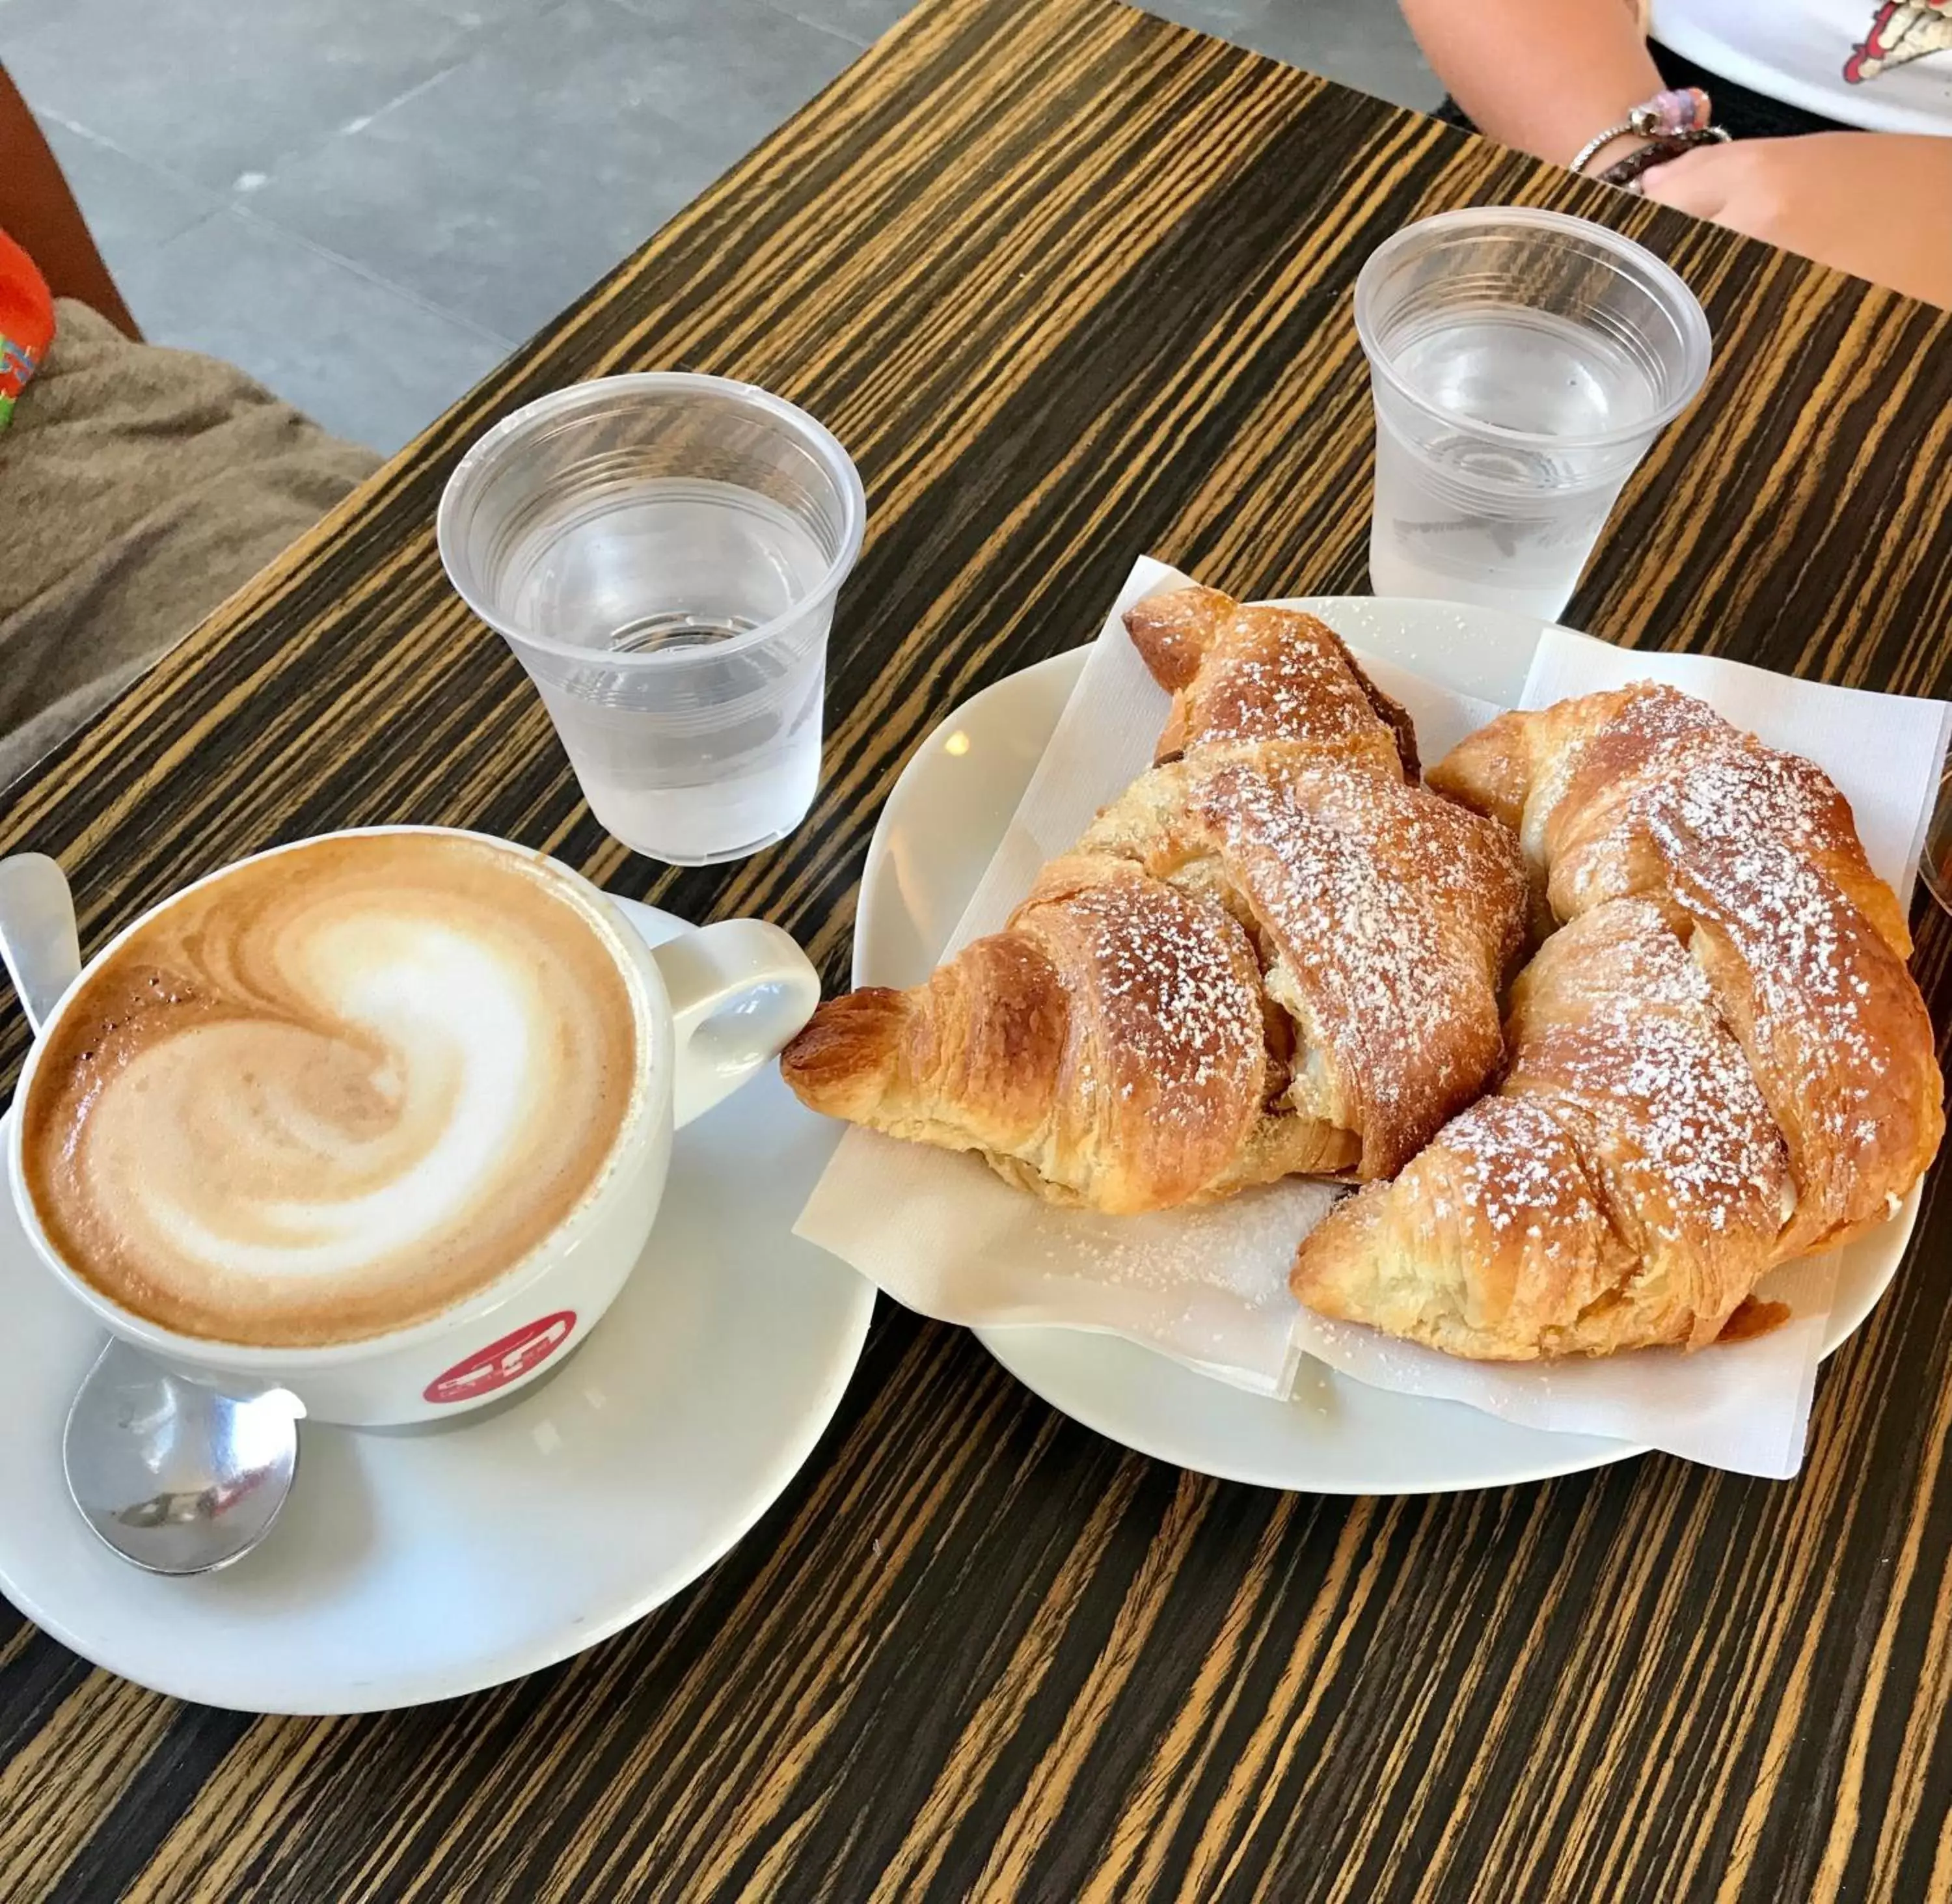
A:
[38,939]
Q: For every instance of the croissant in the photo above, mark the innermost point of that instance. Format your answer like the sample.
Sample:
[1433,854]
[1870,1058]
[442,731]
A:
[1720,1060]
[1276,953]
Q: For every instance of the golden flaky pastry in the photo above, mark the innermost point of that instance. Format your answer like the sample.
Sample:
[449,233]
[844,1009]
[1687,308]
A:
[1718,1060]
[1276,953]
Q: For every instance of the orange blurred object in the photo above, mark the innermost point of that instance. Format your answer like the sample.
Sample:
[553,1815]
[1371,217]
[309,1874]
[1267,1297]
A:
[26,322]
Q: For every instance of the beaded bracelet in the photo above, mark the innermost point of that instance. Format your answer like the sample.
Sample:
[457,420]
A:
[1628,172]
[1666,116]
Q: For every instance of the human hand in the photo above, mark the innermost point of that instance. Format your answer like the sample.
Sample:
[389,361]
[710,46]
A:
[1878,204]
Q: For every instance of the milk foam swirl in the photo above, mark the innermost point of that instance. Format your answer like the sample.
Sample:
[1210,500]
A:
[335,1090]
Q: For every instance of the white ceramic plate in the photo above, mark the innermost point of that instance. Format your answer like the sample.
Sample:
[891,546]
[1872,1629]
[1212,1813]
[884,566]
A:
[419,1563]
[941,826]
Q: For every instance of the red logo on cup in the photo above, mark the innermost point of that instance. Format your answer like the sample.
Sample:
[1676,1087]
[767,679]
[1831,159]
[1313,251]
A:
[504,1362]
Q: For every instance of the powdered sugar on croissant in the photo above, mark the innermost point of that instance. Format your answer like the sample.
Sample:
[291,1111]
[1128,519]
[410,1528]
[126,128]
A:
[1276,953]
[1719,1062]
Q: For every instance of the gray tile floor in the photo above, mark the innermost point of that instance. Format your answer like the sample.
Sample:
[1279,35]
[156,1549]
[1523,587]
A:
[368,203]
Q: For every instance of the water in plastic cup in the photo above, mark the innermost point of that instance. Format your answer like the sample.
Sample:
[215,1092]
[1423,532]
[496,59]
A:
[1522,362]
[662,552]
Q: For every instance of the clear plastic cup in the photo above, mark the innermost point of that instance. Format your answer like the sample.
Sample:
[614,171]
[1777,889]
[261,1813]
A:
[662,552]
[1522,362]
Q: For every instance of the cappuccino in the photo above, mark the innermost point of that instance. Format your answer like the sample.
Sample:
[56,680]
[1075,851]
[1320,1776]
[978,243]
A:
[335,1091]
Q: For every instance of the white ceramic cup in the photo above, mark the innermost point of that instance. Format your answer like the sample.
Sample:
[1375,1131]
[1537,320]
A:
[712,1007]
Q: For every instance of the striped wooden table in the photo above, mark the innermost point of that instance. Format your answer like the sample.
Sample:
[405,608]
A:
[1072,284]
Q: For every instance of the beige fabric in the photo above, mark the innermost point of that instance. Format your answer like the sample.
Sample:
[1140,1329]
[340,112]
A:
[138,487]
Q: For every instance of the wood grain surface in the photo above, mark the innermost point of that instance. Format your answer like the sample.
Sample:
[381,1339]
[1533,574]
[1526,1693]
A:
[1073,284]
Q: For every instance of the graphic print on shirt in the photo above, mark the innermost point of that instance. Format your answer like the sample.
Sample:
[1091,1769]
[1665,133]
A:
[17,365]
[1902,31]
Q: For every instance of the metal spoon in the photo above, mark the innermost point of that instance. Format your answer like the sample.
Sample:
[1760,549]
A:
[179,1478]
[176,1477]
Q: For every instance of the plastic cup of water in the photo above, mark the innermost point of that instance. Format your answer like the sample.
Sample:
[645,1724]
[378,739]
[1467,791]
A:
[1522,362]
[662,552]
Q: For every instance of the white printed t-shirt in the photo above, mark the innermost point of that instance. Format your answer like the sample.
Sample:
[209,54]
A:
[1886,65]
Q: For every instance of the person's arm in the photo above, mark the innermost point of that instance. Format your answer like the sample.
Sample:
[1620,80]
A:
[1545,76]
[1548,75]
[38,211]
[1878,204]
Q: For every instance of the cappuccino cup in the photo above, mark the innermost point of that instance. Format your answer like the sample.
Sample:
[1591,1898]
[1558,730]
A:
[382,1118]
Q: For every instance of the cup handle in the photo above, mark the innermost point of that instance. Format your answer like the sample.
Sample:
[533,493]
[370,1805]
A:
[739,990]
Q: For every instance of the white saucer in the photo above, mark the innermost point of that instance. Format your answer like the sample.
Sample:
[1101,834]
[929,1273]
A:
[418,1564]
[941,826]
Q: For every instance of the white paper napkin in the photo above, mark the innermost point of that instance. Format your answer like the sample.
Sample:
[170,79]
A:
[1746,1405]
[942,1233]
